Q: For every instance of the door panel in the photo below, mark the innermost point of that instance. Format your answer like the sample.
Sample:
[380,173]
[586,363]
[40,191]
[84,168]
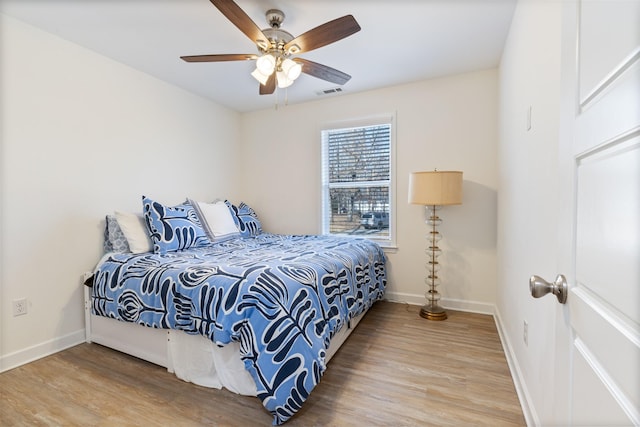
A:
[592,404]
[600,337]
[609,343]
[604,48]
[607,244]
[613,113]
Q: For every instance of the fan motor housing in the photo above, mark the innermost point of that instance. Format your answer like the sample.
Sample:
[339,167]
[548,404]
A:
[277,37]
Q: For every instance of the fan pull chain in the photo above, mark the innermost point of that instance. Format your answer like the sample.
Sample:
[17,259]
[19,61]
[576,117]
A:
[276,93]
[277,101]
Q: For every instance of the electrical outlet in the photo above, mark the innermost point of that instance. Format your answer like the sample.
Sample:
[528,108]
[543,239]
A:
[19,307]
[525,333]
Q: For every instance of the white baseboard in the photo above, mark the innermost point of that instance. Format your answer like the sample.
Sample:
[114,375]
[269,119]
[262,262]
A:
[452,304]
[47,348]
[530,415]
[21,357]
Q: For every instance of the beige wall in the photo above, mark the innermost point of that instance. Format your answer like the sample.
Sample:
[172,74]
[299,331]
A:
[447,123]
[81,136]
[527,231]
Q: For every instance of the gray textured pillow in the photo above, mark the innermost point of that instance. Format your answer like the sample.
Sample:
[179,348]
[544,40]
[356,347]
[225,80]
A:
[114,238]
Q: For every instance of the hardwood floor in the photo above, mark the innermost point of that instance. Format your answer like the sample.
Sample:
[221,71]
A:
[396,369]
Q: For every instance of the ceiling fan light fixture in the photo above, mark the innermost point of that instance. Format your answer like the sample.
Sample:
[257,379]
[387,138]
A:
[291,69]
[257,74]
[275,45]
[283,80]
[266,64]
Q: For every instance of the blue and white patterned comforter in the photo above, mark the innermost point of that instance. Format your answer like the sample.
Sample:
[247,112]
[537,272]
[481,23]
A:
[281,297]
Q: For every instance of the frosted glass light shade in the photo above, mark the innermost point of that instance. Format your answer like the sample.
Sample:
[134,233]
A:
[283,81]
[260,77]
[266,64]
[291,69]
[436,188]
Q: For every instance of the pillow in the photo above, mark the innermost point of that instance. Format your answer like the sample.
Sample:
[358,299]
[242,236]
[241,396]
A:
[173,228]
[233,209]
[249,218]
[245,218]
[114,238]
[216,220]
[107,245]
[135,230]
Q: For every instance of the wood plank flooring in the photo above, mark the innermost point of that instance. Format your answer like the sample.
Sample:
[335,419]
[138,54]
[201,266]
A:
[396,369]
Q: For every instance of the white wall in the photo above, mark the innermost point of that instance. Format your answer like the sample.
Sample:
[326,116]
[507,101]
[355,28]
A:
[529,76]
[447,123]
[81,136]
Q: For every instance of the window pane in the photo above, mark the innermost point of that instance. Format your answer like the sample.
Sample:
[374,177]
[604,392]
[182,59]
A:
[356,179]
[360,154]
[359,211]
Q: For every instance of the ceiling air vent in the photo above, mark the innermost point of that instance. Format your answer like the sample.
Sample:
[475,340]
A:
[329,91]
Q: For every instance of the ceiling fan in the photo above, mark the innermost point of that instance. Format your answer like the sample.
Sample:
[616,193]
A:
[276,47]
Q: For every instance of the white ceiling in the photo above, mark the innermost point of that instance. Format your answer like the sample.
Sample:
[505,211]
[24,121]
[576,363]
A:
[401,41]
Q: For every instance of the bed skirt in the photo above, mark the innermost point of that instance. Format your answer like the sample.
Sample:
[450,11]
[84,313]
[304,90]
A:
[192,358]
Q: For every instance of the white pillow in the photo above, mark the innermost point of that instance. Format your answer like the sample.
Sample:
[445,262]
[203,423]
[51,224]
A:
[135,230]
[217,220]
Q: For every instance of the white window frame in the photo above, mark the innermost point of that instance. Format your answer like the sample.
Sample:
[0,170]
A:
[386,119]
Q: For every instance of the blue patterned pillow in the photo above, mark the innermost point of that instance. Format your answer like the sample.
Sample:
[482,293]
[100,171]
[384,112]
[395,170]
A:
[173,228]
[245,218]
[234,213]
[114,238]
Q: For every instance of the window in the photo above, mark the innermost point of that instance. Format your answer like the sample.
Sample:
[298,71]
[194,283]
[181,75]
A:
[357,181]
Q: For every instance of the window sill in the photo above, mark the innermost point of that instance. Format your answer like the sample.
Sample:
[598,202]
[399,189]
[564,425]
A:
[391,249]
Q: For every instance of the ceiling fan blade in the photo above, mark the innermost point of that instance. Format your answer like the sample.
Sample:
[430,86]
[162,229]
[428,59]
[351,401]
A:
[219,58]
[240,19]
[270,86]
[323,72]
[323,35]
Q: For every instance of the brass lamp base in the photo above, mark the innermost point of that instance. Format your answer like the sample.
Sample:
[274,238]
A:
[433,312]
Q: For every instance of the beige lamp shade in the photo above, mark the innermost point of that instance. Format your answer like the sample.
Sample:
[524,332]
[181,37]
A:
[435,188]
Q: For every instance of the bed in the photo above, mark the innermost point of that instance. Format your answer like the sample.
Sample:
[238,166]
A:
[257,313]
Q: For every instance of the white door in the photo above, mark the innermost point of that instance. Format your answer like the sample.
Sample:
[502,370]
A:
[597,366]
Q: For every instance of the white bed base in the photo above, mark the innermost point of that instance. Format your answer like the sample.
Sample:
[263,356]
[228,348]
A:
[192,358]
